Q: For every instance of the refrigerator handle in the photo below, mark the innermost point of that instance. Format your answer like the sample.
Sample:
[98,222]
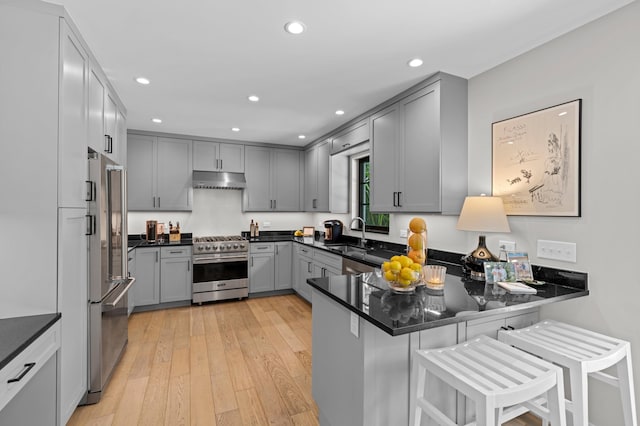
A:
[91,224]
[91,190]
[129,282]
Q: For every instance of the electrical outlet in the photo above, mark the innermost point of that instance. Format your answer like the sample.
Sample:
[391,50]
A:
[403,233]
[266,225]
[557,250]
[507,245]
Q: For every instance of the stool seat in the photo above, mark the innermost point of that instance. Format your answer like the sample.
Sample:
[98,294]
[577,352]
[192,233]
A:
[502,381]
[585,353]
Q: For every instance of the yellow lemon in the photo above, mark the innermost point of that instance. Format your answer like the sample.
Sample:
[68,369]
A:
[395,266]
[390,276]
[386,266]
[416,267]
[395,258]
[417,225]
[404,283]
[407,274]
[405,261]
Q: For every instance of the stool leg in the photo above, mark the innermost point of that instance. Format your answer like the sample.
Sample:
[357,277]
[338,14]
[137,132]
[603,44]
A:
[555,403]
[627,394]
[579,396]
[416,412]
[486,413]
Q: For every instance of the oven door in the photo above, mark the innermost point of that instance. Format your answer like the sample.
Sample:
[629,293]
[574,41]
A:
[207,269]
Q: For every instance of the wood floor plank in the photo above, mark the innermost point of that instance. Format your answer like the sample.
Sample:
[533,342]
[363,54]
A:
[224,397]
[287,387]
[177,412]
[130,405]
[294,343]
[240,376]
[229,418]
[155,395]
[251,411]
[201,399]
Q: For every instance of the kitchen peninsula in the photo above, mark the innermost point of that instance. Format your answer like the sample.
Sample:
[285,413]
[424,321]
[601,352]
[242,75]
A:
[364,336]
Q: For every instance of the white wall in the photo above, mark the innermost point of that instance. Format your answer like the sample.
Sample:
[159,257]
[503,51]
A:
[599,63]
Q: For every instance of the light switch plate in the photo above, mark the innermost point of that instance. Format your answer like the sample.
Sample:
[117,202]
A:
[355,324]
[557,250]
[403,233]
[266,225]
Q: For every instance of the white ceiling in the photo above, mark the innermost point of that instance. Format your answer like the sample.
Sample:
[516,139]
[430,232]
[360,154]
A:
[204,57]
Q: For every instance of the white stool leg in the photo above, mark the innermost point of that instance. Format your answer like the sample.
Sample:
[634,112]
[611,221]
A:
[579,396]
[416,413]
[627,394]
[485,413]
[555,403]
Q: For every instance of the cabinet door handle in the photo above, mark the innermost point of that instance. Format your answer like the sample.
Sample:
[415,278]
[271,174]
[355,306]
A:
[91,224]
[252,261]
[154,202]
[399,203]
[188,266]
[314,204]
[346,145]
[175,251]
[25,370]
[158,202]
[309,267]
[91,191]
[221,164]
[394,199]
[106,143]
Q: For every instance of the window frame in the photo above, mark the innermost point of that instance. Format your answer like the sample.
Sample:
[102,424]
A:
[361,206]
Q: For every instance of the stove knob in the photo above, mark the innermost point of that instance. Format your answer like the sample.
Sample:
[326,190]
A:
[221,247]
[208,247]
[200,248]
[235,246]
[228,246]
[214,248]
[242,245]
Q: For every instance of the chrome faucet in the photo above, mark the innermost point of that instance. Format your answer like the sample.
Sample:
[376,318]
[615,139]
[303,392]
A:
[363,240]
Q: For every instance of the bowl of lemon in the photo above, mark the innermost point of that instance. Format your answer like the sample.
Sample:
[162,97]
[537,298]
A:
[401,273]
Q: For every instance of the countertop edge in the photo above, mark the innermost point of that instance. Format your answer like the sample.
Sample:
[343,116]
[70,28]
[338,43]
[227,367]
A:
[55,317]
[445,321]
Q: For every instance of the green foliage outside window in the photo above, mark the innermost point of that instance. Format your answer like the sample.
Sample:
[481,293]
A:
[376,222]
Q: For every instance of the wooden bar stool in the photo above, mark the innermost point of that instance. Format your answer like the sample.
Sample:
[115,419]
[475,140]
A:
[504,382]
[584,353]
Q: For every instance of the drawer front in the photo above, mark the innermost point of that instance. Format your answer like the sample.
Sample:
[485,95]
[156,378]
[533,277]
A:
[37,353]
[305,251]
[330,260]
[180,251]
[261,248]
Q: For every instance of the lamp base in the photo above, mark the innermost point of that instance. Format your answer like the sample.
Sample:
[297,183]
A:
[473,263]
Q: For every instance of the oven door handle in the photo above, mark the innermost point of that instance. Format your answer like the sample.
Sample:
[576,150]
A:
[203,260]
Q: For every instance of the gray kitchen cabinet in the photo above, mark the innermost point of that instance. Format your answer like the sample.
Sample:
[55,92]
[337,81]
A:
[326,264]
[103,116]
[159,173]
[419,148]
[350,137]
[32,399]
[283,265]
[218,157]
[303,269]
[261,267]
[131,269]
[316,182]
[273,179]
[146,289]
[175,274]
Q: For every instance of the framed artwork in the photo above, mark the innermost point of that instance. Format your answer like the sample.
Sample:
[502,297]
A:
[536,161]
[499,271]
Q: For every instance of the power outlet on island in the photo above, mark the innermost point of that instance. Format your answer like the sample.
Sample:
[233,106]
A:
[403,233]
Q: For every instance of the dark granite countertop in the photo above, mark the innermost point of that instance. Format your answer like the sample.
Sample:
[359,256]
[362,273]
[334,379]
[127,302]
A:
[137,240]
[16,334]
[461,300]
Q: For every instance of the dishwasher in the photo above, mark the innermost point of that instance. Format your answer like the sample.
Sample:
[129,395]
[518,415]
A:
[350,267]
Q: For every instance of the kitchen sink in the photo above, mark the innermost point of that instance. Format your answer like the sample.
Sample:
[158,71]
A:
[370,255]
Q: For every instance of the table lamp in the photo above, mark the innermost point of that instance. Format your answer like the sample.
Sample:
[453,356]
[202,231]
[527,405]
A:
[482,214]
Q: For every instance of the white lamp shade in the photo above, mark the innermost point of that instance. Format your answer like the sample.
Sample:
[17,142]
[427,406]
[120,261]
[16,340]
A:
[483,214]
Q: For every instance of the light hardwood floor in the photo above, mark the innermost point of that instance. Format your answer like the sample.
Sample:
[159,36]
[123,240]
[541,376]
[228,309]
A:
[227,363]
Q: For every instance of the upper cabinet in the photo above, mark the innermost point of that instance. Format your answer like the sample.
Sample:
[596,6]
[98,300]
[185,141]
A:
[273,179]
[159,173]
[352,136]
[419,150]
[218,157]
[103,119]
[316,177]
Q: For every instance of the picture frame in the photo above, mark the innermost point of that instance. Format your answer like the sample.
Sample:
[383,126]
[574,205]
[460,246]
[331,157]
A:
[499,271]
[521,265]
[536,166]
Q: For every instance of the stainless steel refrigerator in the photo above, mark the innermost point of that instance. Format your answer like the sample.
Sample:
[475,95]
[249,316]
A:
[108,280]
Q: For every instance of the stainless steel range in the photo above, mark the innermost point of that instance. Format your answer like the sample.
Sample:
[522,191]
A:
[220,268]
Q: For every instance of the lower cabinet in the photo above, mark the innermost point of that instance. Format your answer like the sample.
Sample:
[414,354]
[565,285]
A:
[175,274]
[313,263]
[270,266]
[32,398]
[163,274]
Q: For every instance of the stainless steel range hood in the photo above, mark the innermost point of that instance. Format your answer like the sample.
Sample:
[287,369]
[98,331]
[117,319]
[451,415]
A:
[215,180]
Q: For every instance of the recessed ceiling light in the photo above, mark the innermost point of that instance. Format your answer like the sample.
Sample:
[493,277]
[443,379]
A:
[143,80]
[301,137]
[253,98]
[339,112]
[294,27]
[416,62]
[156,120]
[235,129]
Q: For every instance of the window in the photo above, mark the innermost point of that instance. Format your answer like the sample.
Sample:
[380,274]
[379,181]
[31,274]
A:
[376,222]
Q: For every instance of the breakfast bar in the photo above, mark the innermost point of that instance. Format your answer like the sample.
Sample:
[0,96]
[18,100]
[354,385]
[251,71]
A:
[364,336]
